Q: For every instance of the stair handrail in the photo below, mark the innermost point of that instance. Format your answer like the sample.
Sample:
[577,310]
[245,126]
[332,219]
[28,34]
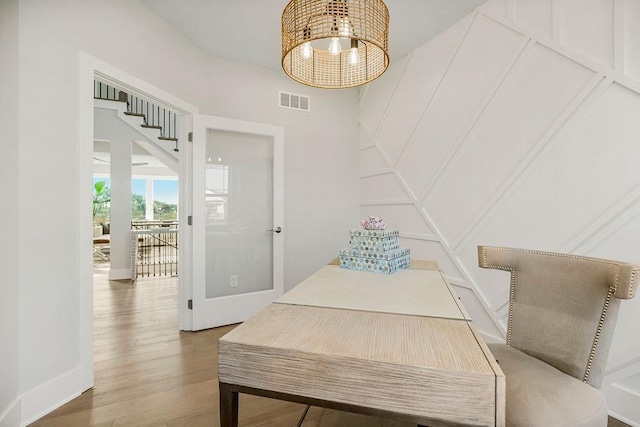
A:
[153,115]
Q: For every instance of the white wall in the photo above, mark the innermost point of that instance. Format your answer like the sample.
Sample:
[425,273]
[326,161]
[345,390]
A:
[518,126]
[9,214]
[320,159]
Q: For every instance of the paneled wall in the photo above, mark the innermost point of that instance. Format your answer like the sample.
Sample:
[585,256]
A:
[518,126]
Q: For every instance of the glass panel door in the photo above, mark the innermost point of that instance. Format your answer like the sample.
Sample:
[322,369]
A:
[238,213]
[237,219]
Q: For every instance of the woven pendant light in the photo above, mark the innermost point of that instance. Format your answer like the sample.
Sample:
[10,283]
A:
[335,44]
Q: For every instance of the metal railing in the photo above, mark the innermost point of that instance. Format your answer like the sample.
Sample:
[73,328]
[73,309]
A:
[156,244]
[153,115]
[148,225]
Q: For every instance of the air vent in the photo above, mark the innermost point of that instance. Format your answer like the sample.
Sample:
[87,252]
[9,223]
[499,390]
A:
[294,101]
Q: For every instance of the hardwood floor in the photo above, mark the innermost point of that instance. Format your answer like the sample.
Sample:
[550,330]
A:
[149,373]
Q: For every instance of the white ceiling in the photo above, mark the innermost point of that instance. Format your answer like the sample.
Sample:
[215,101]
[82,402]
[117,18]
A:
[249,30]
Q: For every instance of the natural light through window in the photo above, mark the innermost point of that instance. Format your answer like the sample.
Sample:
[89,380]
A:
[163,192]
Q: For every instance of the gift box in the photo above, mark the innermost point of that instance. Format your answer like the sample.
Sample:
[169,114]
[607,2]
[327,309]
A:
[374,250]
[374,240]
[377,234]
[373,254]
[381,266]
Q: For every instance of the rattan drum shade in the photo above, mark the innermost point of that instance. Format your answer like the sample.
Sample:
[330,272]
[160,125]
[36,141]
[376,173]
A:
[309,25]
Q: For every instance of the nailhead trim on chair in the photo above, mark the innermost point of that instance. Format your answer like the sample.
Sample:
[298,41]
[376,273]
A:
[511,291]
[606,261]
[484,259]
[598,331]
[633,274]
[612,291]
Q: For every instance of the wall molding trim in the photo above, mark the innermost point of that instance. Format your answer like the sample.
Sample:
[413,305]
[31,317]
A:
[413,201]
[367,148]
[374,174]
[581,59]
[457,282]
[521,52]
[528,164]
[620,214]
[623,371]
[623,405]
[548,123]
[393,94]
[434,95]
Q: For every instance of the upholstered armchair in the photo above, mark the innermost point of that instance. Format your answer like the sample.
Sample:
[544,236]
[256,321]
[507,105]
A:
[562,313]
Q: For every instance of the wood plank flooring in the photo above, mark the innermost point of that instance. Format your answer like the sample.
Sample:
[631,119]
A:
[148,373]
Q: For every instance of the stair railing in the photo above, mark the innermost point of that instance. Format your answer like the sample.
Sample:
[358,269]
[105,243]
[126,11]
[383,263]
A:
[156,252]
[154,116]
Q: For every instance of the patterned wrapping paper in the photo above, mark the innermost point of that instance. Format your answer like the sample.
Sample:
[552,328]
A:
[367,245]
[374,233]
[375,265]
[374,254]
[376,251]
[374,240]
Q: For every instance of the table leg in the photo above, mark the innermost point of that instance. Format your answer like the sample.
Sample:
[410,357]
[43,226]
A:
[228,406]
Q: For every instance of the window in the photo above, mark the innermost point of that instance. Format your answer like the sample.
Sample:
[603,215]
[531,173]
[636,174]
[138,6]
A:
[138,199]
[101,200]
[165,200]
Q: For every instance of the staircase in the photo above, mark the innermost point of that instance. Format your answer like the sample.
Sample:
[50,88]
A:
[156,124]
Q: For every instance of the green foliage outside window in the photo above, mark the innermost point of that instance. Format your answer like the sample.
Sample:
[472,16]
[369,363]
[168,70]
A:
[102,206]
[101,202]
[138,207]
[164,211]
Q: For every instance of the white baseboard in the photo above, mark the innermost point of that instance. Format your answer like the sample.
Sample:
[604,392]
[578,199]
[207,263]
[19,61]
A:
[10,417]
[122,274]
[623,404]
[41,400]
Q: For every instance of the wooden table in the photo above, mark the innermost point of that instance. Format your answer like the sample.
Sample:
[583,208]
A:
[399,347]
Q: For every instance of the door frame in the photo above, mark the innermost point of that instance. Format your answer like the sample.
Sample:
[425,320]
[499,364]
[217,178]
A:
[90,68]
[276,133]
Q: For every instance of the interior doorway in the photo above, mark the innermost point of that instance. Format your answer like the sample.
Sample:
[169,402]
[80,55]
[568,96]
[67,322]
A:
[92,69]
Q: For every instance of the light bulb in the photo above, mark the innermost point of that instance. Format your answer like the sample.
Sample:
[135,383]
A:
[344,29]
[354,56]
[306,50]
[334,47]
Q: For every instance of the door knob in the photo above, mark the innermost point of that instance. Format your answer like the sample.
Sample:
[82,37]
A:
[276,230]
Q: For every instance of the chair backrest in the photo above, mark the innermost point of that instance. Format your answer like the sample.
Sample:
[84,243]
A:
[563,308]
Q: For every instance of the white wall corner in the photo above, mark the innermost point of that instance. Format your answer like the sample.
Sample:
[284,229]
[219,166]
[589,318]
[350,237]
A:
[41,400]
[623,404]
[11,416]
